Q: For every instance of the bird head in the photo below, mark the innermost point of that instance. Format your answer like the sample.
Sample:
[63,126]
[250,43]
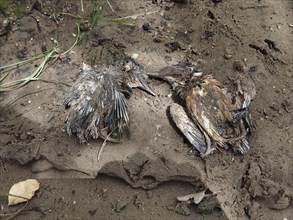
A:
[179,75]
[136,76]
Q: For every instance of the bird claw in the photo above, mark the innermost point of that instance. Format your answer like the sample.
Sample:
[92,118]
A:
[243,147]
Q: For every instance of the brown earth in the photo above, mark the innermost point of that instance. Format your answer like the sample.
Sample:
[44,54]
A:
[142,177]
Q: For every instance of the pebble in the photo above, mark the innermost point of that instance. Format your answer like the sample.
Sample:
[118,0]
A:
[253,210]
[156,103]
[239,66]
[146,26]
[149,194]
[50,106]
[182,209]
[120,205]
[227,54]
[23,136]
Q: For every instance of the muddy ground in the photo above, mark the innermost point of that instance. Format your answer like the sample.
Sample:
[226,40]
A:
[141,177]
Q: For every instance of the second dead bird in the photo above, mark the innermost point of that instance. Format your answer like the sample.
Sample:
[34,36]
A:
[213,114]
[97,104]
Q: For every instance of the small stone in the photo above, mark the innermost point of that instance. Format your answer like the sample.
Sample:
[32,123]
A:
[50,106]
[173,46]
[252,69]
[23,136]
[92,212]
[146,26]
[208,34]
[253,210]
[84,26]
[239,66]
[138,202]
[149,194]
[182,209]
[227,54]
[120,205]
[157,40]
[156,103]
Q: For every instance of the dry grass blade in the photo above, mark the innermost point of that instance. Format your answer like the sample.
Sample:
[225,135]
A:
[7,105]
[104,144]
[135,16]
[16,84]
[8,68]
[13,214]
[81,5]
[123,20]
[75,42]
[22,62]
[111,7]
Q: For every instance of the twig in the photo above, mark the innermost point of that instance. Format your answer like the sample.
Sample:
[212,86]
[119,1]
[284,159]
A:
[72,15]
[13,214]
[81,3]
[110,5]
[122,22]
[30,8]
[104,144]
[254,6]
[54,82]
[136,15]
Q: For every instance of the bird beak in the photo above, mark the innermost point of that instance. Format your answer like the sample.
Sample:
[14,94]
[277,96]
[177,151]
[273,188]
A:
[141,81]
[145,84]
[149,90]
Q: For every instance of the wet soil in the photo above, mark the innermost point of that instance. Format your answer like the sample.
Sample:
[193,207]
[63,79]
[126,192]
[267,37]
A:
[142,176]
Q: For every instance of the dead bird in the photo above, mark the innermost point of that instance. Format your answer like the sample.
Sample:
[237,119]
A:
[97,102]
[214,115]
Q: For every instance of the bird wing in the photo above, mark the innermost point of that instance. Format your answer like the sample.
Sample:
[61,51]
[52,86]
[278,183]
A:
[96,105]
[189,129]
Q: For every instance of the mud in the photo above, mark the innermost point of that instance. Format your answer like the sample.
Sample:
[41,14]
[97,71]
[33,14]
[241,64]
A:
[142,176]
